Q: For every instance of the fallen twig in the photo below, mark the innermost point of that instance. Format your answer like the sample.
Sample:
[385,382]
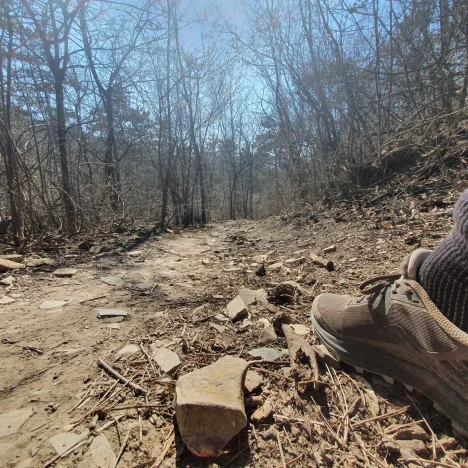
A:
[137,388]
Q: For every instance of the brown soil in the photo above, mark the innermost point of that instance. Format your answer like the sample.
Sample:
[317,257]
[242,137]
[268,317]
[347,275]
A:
[189,269]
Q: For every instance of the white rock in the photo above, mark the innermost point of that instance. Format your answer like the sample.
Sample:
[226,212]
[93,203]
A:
[52,304]
[128,350]
[167,360]
[99,454]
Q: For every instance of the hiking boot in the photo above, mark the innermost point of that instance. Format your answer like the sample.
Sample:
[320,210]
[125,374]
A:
[395,330]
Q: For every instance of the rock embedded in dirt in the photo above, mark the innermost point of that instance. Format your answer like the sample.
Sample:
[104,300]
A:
[7,265]
[95,249]
[8,281]
[265,354]
[37,262]
[267,336]
[99,454]
[218,328]
[113,281]
[68,353]
[330,249]
[252,296]
[52,304]
[17,258]
[128,350]
[11,422]
[236,309]
[210,406]
[65,272]
[63,441]
[167,360]
[415,432]
[111,313]
[253,380]
[113,326]
[6,300]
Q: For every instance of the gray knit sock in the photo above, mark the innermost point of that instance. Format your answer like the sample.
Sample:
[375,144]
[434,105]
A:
[444,274]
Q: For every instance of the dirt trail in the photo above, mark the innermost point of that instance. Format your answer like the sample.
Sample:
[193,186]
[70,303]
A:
[48,357]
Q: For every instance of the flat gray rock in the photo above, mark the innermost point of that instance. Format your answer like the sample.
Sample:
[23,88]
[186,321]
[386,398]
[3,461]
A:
[265,354]
[95,249]
[99,454]
[218,328]
[10,422]
[65,272]
[128,350]
[52,304]
[63,441]
[113,281]
[167,360]
[111,313]
[251,296]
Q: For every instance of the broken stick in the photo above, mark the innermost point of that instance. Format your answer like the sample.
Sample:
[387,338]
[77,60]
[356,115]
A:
[138,390]
[302,358]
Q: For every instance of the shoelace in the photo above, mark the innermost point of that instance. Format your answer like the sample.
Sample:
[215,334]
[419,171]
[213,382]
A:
[395,281]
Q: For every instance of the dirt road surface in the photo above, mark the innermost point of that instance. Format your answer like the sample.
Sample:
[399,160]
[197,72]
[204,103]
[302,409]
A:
[48,357]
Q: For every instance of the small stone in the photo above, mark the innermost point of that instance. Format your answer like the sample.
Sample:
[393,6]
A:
[63,441]
[253,380]
[330,249]
[218,328]
[275,266]
[99,454]
[251,296]
[36,262]
[221,318]
[6,300]
[210,406]
[111,313]
[17,258]
[291,261]
[236,309]
[65,272]
[8,281]
[415,432]
[95,249]
[167,360]
[325,357]
[265,354]
[205,261]
[113,326]
[134,253]
[11,422]
[52,304]
[6,265]
[113,281]
[128,350]
[267,336]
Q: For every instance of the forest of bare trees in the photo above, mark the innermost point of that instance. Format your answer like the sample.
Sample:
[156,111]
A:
[115,112]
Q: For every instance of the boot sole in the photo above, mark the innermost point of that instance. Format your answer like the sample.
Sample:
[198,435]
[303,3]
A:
[372,359]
